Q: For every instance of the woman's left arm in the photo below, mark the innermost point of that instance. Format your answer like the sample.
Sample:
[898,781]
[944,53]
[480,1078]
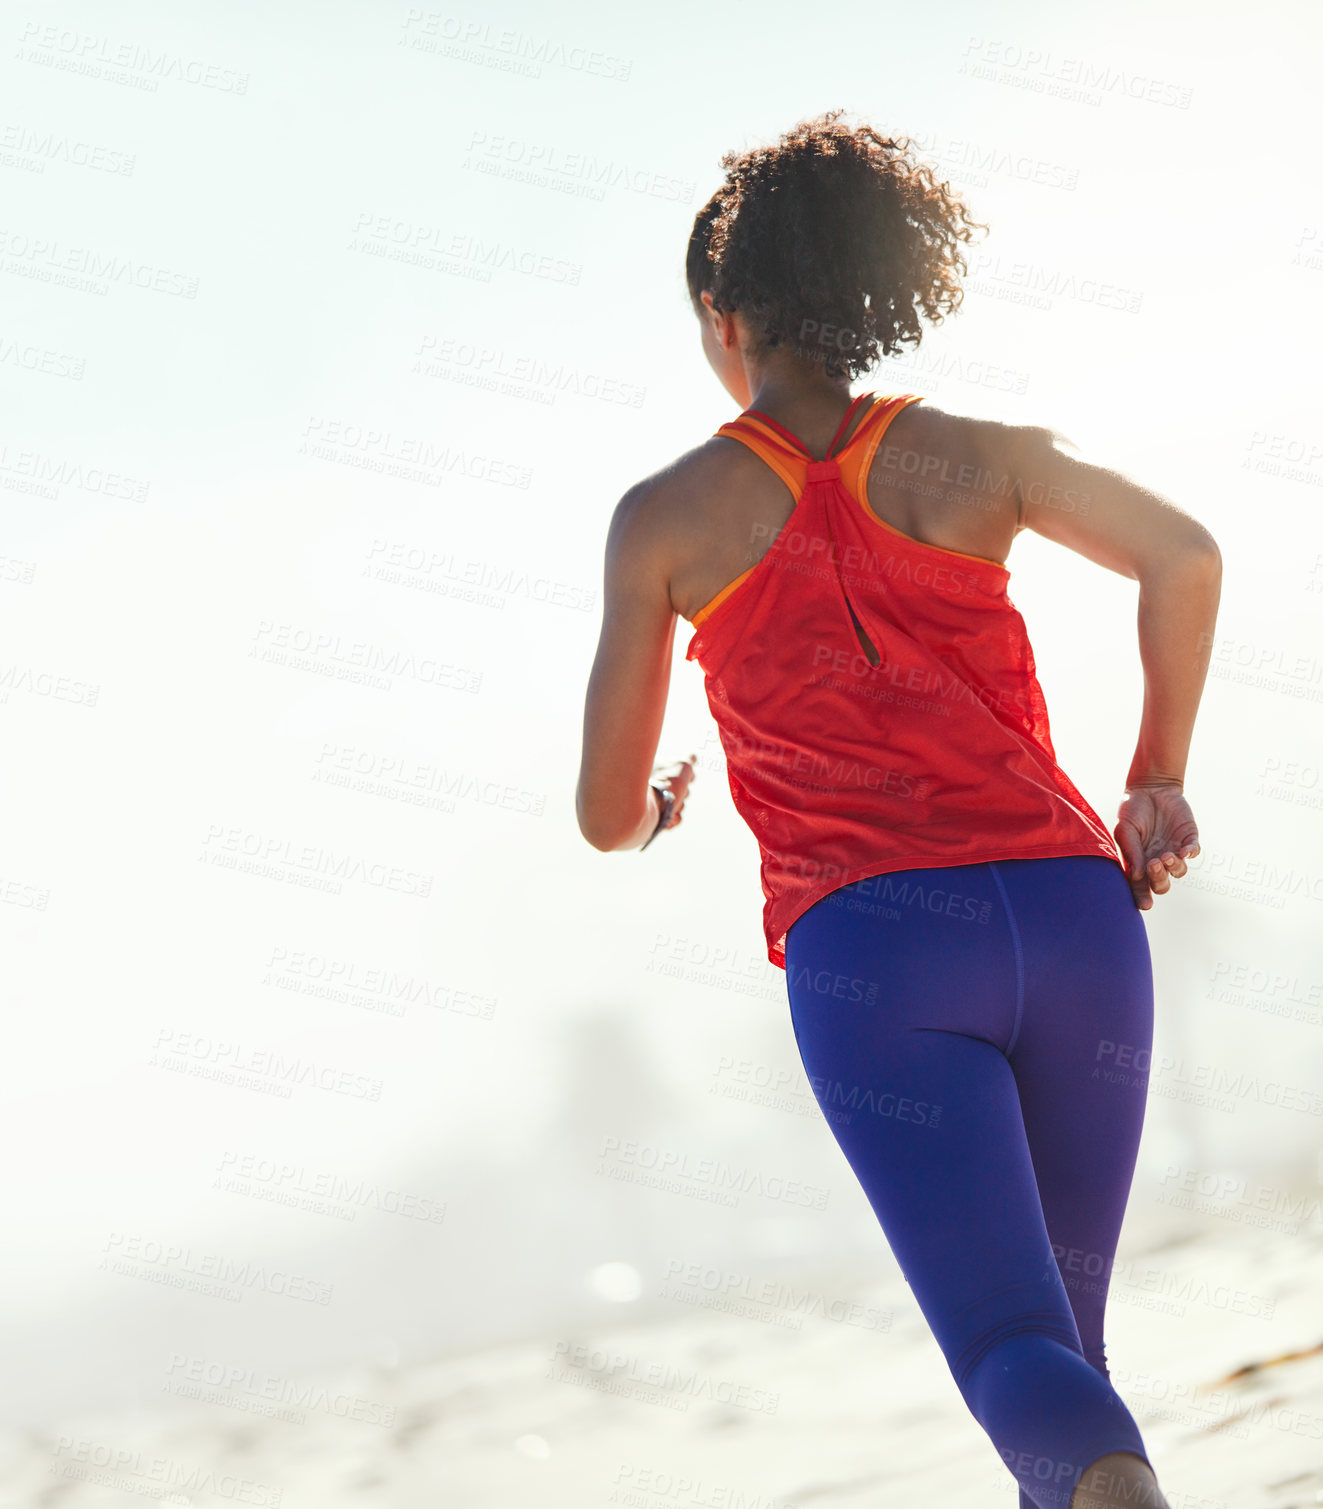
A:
[630,679]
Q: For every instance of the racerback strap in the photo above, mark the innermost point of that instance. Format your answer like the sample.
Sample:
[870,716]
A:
[787,457]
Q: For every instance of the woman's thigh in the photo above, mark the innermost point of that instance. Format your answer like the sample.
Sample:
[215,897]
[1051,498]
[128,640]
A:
[1081,1060]
[905,991]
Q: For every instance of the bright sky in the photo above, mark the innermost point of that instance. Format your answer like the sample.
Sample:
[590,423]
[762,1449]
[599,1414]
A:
[314,313]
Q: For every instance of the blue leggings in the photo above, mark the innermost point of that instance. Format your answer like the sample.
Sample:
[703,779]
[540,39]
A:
[969,1033]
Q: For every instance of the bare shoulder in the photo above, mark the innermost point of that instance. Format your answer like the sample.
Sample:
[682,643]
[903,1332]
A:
[689,473]
[952,478]
[1091,508]
[961,436]
[676,495]
[656,513]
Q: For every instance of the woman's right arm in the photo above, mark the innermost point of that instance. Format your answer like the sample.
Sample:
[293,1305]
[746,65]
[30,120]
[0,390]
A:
[1116,522]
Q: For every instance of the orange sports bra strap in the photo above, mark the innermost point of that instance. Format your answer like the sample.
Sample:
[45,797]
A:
[857,460]
[791,468]
[859,398]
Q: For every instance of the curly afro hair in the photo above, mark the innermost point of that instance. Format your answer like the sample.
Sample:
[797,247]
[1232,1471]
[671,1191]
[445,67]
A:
[831,243]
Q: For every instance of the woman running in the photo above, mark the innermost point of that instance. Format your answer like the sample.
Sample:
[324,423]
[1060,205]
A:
[968,974]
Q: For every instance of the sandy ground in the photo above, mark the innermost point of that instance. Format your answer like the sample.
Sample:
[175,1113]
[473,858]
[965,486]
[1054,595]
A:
[830,1395]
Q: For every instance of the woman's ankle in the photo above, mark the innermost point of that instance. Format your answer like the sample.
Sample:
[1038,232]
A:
[1119,1478]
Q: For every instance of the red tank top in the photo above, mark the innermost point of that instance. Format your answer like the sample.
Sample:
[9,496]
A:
[938,754]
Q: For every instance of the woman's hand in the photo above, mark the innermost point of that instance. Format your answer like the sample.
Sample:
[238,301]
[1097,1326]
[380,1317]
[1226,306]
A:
[1156,834]
[675,778]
